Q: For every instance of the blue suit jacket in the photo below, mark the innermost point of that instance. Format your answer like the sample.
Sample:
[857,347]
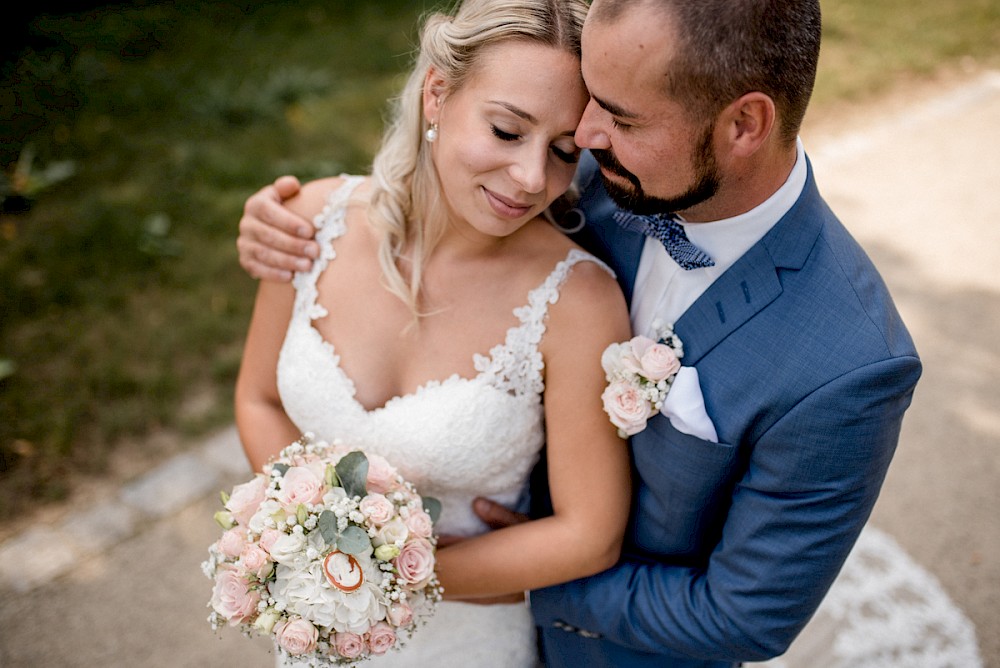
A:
[806,370]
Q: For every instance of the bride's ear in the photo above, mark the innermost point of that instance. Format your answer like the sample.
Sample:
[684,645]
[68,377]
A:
[434,93]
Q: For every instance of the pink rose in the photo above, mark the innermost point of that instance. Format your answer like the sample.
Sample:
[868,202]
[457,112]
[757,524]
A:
[255,559]
[656,360]
[232,542]
[377,508]
[381,474]
[301,485]
[415,563]
[419,523]
[246,499]
[268,538]
[232,597]
[400,614]
[296,636]
[381,638]
[349,645]
[626,407]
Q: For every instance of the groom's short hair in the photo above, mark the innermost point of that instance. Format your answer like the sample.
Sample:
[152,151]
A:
[727,48]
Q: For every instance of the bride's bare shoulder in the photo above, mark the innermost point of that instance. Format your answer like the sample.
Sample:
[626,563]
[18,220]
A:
[313,195]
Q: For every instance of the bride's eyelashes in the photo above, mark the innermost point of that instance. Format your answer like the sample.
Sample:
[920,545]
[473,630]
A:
[505,136]
[567,157]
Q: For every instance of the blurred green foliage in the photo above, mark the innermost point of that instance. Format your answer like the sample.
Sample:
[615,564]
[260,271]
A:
[131,135]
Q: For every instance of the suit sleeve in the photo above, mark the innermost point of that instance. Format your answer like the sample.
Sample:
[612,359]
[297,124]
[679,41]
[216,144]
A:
[808,488]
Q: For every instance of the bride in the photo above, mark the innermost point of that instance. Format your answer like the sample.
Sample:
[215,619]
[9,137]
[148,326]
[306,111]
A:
[449,327]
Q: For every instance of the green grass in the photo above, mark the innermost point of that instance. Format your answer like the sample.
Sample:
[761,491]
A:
[122,306]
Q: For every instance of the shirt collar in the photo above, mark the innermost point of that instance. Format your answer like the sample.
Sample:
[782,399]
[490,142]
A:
[728,239]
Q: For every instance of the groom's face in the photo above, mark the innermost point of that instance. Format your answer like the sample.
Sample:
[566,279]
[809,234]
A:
[654,156]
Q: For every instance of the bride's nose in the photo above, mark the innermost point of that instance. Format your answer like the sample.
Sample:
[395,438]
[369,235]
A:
[528,170]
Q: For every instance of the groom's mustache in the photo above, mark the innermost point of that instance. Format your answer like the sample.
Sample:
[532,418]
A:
[607,160]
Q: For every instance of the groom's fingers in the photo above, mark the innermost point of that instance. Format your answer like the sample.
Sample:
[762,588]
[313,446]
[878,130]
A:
[495,515]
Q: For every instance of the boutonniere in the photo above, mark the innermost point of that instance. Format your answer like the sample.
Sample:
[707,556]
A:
[639,373]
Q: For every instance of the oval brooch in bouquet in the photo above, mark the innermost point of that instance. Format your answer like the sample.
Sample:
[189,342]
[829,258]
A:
[329,551]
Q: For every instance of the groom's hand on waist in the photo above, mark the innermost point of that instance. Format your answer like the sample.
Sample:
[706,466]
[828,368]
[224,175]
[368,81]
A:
[496,516]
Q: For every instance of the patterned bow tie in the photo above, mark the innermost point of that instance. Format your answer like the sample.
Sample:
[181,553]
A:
[665,227]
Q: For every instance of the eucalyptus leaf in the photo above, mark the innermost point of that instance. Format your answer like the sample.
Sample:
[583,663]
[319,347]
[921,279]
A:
[328,527]
[352,470]
[354,540]
[432,507]
[280,468]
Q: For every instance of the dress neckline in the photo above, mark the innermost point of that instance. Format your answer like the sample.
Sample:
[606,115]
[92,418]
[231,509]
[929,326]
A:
[520,339]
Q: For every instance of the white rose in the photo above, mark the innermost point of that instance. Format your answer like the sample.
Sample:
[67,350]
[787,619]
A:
[611,359]
[394,532]
[289,550]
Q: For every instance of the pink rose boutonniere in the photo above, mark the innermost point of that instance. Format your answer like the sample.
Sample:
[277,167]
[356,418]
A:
[639,372]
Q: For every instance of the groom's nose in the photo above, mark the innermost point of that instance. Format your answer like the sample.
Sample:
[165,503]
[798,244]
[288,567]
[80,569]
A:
[592,129]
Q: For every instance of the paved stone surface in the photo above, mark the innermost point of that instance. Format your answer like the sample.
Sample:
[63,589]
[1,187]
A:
[119,583]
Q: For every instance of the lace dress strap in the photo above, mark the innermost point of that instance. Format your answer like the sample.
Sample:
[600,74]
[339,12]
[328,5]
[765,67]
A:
[330,224]
[516,365]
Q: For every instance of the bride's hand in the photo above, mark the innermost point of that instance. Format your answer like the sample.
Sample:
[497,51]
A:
[495,515]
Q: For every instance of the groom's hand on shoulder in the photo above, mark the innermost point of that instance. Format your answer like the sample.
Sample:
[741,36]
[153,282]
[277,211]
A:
[274,242]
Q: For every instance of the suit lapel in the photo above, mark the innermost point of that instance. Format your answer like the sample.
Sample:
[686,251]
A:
[753,281]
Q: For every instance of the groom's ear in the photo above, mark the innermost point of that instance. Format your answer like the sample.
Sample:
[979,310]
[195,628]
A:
[748,122]
[434,94]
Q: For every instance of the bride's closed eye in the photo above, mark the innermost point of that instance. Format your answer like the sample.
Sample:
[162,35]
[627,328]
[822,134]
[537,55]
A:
[569,157]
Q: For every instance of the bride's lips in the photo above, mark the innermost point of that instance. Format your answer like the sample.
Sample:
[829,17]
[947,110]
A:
[506,207]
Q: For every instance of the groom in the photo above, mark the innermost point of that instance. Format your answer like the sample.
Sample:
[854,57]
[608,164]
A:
[746,509]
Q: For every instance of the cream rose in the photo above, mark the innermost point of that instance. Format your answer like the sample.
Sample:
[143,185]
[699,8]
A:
[296,636]
[300,485]
[656,360]
[400,614]
[391,533]
[349,645]
[415,563]
[289,550]
[419,524]
[381,474]
[377,508]
[232,542]
[246,499]
[255,559]
[232,597]
[381,638]
[268,538]
[626,406]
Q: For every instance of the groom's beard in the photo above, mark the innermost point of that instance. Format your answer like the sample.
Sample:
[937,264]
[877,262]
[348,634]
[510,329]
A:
[635,199]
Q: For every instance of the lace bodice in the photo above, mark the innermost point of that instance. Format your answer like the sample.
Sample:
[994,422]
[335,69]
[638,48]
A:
[455,438]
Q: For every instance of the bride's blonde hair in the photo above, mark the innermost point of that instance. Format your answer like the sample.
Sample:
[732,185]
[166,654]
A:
[406,206]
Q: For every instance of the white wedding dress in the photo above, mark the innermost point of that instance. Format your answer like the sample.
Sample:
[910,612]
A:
[454,439]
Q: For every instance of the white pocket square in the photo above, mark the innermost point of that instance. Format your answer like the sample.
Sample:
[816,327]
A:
[685,406]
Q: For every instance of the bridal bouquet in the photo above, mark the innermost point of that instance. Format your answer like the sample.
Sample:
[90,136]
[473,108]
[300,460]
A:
[639,373]
[329,550]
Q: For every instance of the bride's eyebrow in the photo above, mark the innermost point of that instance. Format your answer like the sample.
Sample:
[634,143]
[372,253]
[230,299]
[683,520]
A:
[514,109]
[521,113]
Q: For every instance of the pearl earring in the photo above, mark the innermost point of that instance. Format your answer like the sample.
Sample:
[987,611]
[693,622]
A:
[432,133]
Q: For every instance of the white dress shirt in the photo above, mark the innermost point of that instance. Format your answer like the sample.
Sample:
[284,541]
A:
[664,291]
